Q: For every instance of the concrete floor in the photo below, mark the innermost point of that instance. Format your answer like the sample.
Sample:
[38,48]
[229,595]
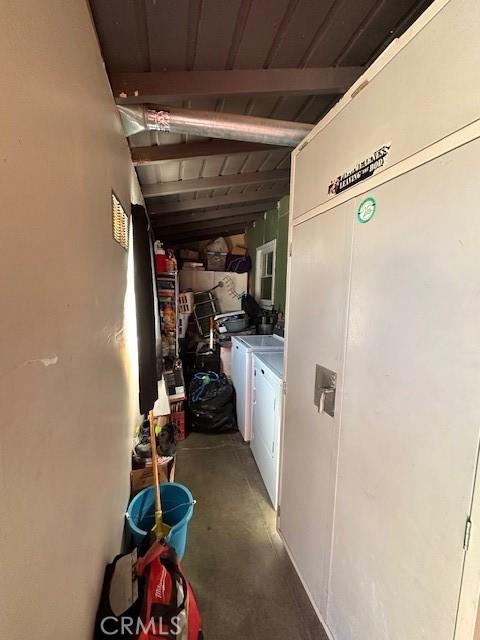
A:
[244,581]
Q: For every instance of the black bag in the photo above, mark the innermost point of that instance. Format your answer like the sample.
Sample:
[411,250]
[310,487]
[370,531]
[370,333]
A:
[251,306]
[166,442]
[133,607]
[211,403]
[238,264]
[116,584]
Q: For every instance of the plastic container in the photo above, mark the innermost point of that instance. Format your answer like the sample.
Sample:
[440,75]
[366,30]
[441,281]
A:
[178,419]
[185,302]
[177,504]
[160,263]
[189,254]
[216,261]
[236,324]
[231,322]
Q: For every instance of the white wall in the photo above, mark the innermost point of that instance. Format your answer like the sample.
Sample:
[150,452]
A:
[68,383]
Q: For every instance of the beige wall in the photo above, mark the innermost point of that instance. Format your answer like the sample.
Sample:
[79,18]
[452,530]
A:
[68,387]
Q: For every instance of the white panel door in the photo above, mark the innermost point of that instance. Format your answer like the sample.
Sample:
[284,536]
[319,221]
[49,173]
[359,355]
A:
[317,310]
[411,409]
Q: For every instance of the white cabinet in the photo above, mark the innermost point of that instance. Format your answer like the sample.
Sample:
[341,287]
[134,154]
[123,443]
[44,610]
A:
[376,501]
[381,113]
[266,418]
[317,312]
[410,415]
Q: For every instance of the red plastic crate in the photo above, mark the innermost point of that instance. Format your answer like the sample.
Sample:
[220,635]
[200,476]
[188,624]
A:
[178,419]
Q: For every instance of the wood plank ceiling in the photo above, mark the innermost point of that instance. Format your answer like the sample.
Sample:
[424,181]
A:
[243,57]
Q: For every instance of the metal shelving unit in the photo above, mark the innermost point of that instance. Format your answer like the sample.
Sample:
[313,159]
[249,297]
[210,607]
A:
[167,294]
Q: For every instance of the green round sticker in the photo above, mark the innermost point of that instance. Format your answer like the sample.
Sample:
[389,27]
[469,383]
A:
[366,210]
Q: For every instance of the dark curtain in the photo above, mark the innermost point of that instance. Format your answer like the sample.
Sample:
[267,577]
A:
[146,308]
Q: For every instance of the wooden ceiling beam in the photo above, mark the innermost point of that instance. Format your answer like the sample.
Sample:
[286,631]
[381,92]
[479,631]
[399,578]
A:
[158,86]
[156,206]
[192,217]
[217,182]
[208,224]
[200,234]
[181,241]
[166,152]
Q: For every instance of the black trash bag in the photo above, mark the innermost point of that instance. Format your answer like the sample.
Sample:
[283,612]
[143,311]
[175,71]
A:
[211,403]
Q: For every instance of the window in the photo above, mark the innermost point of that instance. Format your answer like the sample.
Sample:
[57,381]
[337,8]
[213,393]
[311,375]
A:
[265,274]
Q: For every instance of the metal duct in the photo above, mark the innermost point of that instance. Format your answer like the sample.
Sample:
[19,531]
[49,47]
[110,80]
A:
[212,124]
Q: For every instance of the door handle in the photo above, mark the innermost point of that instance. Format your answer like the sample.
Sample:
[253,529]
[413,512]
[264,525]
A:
[324,394]
[325,390]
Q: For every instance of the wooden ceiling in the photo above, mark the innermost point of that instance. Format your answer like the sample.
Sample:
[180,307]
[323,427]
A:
[284,59]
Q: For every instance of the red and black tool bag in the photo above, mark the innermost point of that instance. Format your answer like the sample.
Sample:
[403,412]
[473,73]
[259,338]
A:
[169,609]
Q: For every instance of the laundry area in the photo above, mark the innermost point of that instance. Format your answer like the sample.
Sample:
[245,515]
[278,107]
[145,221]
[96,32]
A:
[239,332]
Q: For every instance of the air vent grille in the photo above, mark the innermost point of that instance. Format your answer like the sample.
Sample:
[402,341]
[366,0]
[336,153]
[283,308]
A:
[119,223]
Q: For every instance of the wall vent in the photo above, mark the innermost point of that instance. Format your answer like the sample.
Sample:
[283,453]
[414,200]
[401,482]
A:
[119,223]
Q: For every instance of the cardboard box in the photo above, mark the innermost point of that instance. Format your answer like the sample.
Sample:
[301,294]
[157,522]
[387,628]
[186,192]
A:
[142,478]
[189,254]
[239,251]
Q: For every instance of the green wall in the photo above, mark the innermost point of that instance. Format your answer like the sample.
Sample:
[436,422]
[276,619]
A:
[274,226]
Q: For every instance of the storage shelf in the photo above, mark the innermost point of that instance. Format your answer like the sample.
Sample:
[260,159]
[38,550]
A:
[167,296]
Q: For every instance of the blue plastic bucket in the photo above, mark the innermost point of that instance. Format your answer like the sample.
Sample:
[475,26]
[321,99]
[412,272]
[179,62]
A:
[177,506]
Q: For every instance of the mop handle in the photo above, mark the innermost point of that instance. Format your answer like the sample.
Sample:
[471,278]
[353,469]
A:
[153,447]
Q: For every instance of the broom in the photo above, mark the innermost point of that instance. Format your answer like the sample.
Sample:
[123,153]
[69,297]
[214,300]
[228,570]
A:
[160,529]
